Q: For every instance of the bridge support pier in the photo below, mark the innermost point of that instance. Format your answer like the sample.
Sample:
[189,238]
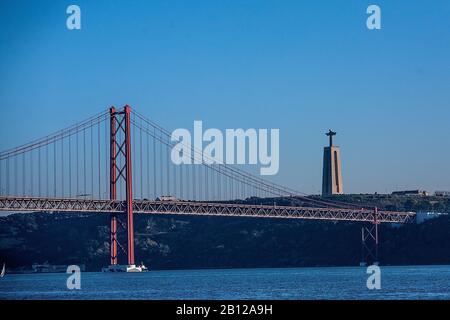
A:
[369,242]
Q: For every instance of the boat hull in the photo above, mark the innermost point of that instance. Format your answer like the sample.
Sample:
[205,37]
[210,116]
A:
[124,268]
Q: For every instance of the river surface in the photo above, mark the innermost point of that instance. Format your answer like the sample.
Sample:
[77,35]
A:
[405,282]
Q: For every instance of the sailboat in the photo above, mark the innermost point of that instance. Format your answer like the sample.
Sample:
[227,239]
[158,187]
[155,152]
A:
[3,271]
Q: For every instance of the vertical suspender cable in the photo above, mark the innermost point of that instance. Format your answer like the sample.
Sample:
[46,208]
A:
[70,167]
[15,176]
[168,170]
[140,159]
[99,161]
[206,183]
[107,172]
[62,168]
[1,181]
[154,163]
[181,180]
[160,169]
[134,158]
[92,161]
[54,169]
[84,161]
[77,191]
[39,171]
[7,176]
[31,173]
[148,163]
[194,189]
[200,183]
[47,182]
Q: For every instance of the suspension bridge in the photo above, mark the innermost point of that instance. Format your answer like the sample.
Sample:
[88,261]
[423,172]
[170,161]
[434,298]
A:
[118,162]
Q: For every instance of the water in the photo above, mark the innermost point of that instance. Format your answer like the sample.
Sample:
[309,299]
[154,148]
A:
[406,282]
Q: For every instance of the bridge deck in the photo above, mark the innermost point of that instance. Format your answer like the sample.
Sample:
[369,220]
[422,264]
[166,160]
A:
[26,204]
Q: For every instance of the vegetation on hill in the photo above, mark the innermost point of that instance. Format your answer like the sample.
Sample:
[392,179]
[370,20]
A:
[177,242]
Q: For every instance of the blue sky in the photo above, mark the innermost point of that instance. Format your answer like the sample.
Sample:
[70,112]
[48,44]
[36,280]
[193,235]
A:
[300,66]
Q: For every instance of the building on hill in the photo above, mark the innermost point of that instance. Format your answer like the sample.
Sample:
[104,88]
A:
[332,172]
[417,192]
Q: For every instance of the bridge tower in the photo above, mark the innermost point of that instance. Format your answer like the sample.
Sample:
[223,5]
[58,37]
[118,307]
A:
[121,172]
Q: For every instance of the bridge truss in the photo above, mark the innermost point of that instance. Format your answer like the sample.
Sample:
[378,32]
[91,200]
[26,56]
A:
[202,209]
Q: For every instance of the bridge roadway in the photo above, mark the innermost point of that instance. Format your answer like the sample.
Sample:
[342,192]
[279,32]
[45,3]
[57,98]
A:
[33,204]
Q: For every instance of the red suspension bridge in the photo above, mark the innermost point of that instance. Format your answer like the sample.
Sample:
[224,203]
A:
[118,162]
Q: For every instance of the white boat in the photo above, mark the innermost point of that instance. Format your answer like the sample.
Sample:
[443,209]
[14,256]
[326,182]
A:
[125,268]
[3,270]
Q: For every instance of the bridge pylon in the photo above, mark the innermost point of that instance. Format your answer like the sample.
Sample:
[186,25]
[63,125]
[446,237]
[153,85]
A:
[121,172]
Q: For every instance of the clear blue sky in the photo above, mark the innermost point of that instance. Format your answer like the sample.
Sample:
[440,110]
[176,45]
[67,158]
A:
[300,66]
